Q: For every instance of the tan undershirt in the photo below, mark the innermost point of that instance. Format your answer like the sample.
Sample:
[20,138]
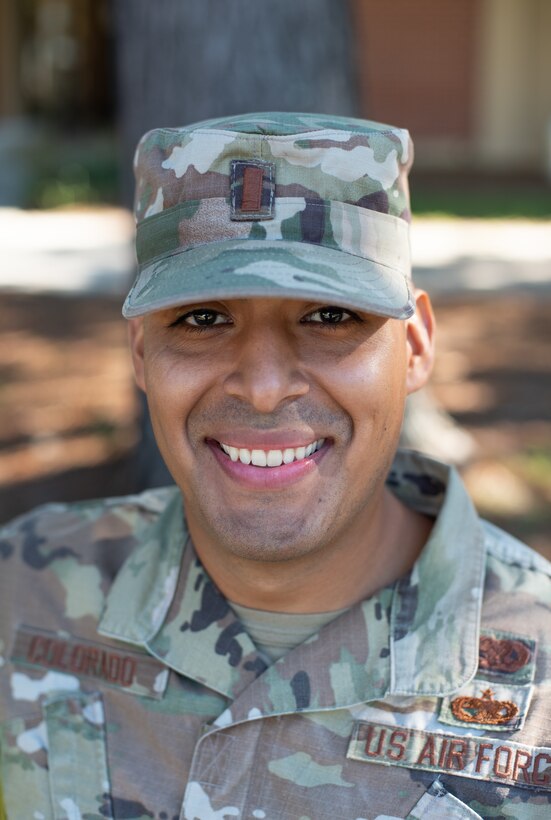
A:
[275,633]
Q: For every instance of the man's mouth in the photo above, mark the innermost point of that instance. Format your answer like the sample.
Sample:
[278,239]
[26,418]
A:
[271,458]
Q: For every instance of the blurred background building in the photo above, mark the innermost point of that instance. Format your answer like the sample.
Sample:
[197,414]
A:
[470,78]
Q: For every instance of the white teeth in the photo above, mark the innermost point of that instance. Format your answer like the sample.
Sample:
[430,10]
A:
[288,455]
[271,458]
[275,458]
[258,458]
[245,456]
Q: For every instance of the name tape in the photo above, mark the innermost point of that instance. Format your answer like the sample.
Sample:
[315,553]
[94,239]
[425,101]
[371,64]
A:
[480,758]
[132,671]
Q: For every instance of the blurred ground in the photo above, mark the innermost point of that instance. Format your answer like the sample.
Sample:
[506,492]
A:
[493,375]
[68,408]
[67,404]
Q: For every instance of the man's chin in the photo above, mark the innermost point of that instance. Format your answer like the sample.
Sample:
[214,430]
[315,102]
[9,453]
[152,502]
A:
[265,534]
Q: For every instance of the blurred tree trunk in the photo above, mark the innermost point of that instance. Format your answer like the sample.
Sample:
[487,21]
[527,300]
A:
[180,61]
[185,60]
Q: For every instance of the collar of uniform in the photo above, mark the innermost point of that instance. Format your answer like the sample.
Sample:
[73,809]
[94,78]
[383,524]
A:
[202,638]
[436,609]
[430,646]
[163,600]
[417,637]
[142,592]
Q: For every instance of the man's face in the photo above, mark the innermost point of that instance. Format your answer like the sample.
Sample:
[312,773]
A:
[316,391]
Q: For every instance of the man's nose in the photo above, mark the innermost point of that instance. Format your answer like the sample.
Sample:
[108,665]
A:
[267,372]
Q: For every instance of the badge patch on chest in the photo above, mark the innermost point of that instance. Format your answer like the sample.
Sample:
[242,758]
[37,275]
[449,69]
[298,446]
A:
[484,710]
[486,705]
[131,671]
[480,758]
[506,657]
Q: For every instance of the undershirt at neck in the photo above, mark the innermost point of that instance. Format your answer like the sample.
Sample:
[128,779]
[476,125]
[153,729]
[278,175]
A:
[275,633]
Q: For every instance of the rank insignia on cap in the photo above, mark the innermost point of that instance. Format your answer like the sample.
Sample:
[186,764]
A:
[252,188]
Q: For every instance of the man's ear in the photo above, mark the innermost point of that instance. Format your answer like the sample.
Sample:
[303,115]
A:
[420,339]
[136,339]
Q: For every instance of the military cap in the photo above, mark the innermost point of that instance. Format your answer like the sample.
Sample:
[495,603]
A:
[302,206]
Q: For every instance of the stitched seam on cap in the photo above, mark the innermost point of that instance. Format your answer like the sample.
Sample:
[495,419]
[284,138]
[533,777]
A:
[247,135]
[265,242]
[310,202]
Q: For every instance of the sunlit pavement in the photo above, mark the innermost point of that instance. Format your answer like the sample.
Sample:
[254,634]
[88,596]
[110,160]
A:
[73,251]
[451,256]
[90,251]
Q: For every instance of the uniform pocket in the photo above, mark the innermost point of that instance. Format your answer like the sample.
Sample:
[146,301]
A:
[54,766]
[438,803]
[77,755]
[24,768]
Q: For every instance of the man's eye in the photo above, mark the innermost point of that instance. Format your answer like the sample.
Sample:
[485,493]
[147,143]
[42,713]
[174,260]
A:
[329,315]
[202,317]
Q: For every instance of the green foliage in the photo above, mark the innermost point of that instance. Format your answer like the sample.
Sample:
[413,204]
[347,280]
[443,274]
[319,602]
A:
[491,199]
[535,466]
[83,170]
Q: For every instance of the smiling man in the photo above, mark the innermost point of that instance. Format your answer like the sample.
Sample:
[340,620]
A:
[278,419]
[310,624]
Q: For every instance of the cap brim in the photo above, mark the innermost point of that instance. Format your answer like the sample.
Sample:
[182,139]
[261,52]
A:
[258,268]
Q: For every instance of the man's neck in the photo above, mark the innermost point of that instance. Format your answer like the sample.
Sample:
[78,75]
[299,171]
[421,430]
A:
[361,563]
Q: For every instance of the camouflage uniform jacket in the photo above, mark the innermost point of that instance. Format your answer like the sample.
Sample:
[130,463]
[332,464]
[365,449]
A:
[128,688]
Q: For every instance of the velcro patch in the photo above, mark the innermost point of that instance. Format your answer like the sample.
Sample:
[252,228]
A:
[480,758]
[506,657]
[252,189]
[131,671]
[482,704]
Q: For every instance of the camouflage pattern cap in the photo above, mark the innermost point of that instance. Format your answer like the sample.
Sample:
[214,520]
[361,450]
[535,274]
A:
[302,206]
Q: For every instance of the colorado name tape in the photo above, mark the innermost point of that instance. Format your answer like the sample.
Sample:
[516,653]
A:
[129,670]
[480,758]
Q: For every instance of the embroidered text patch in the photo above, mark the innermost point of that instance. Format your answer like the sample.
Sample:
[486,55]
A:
[132,671]
[480,758]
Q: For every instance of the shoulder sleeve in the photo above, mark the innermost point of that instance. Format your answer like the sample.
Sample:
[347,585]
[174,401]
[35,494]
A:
[44,550]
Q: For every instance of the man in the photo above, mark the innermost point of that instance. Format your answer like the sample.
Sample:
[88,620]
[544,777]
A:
[309,625]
